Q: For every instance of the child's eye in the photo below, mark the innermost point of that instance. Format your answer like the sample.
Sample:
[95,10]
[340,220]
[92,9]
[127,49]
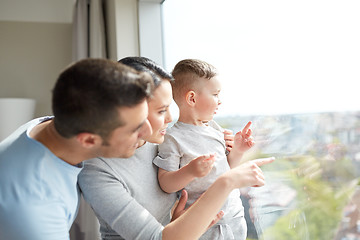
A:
[162,111]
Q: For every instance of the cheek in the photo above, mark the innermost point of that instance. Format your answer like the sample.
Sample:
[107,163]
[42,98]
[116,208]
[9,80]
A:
[211,103]
[157,122]
[215,102]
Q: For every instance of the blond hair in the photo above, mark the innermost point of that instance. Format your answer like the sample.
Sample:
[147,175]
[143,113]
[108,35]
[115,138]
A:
[188,73]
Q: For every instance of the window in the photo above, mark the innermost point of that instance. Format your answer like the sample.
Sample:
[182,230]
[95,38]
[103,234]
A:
[292,68]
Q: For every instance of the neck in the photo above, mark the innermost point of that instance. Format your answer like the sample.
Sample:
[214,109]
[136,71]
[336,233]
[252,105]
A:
[65,149]
[190,119]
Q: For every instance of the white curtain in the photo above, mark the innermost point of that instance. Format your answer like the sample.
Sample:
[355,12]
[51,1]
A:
[89,32]
[89,40]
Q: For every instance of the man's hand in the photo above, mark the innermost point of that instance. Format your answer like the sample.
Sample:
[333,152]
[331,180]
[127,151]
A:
[180,207]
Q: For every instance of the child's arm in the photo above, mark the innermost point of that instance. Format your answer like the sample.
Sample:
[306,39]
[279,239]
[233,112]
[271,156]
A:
[173,181]
[243,141]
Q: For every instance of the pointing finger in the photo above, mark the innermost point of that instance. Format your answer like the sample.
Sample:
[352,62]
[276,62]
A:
[246,128]
[263,161]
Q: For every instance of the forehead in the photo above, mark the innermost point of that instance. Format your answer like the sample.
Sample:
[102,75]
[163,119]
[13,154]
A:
[133,117]
[162,92]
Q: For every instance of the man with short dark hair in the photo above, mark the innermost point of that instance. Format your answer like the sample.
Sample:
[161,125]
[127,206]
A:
[100,109]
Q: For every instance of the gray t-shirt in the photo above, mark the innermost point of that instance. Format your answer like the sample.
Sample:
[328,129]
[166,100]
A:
[125,195]
[185,142]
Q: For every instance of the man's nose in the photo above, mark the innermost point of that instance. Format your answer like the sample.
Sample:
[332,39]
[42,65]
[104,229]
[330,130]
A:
[146,130]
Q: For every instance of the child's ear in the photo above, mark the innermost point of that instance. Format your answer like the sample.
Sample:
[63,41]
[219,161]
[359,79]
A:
[190,98]
[88,140]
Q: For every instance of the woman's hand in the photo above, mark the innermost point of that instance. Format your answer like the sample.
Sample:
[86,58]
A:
[180,209]
[248,174]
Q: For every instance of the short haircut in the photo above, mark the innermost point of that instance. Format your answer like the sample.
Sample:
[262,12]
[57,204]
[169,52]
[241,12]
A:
[89,93]
[143,64]
[187,73]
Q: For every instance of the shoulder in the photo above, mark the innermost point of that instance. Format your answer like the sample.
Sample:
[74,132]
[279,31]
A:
[215,126]
[93,169]
[147,149]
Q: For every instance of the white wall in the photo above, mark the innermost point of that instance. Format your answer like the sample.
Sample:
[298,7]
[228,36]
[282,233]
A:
[35,42]
[35,45]
[57,11]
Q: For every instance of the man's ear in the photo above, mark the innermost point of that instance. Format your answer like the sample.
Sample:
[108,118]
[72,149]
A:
[190,98]
[88,140]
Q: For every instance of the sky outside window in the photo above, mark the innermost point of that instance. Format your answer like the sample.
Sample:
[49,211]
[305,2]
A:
[275,56]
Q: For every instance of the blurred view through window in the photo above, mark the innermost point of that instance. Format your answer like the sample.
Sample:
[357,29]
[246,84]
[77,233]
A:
[292,68]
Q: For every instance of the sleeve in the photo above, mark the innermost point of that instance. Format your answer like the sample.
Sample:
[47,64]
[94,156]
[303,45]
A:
[169,154]
[111,201]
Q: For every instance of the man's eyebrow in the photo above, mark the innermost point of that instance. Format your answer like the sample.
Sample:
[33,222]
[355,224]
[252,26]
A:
[140,125]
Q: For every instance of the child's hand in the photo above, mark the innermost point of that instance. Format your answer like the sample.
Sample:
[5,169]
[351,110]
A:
[229,139]
[243,140]
[201,166]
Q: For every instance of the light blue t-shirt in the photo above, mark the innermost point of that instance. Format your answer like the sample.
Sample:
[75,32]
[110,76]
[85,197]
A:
[39,196]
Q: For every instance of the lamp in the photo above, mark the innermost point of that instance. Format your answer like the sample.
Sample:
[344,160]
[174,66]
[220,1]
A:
[13,113]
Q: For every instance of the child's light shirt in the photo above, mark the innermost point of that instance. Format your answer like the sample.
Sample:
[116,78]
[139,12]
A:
[185,142]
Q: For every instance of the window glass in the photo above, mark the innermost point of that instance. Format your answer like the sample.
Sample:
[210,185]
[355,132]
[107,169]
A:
[292,68]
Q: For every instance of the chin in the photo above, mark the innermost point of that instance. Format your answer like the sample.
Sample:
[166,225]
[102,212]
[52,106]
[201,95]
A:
[156,139]
[161,139]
